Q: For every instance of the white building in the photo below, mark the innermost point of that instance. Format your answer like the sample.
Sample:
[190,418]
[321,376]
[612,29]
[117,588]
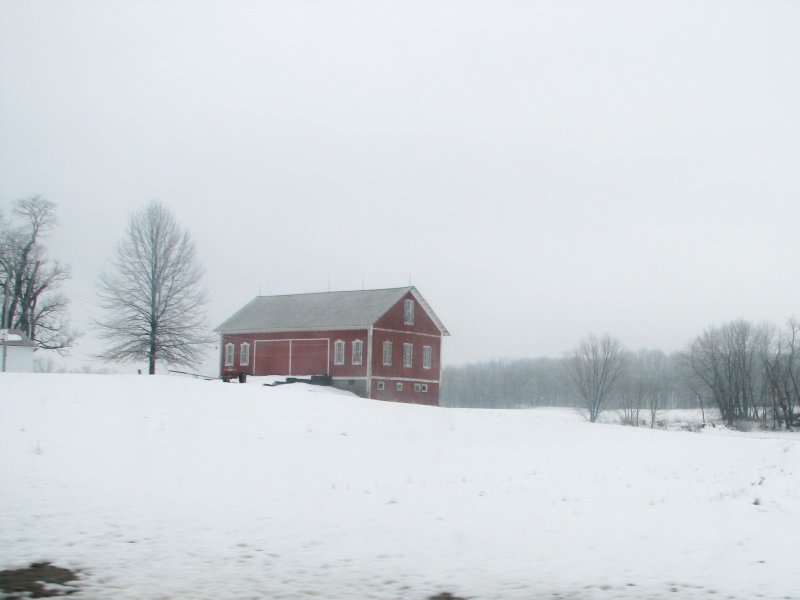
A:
[16,351]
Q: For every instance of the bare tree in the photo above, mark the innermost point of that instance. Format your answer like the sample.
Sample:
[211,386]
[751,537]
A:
[653,364]
[724,359]
[595,367]
[29,279]
[154,300]
[632,393]
[780,354]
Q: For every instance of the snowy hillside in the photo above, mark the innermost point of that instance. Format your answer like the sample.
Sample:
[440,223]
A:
[162,487]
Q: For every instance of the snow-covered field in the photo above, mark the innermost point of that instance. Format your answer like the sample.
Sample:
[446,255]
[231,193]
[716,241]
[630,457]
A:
[163,487]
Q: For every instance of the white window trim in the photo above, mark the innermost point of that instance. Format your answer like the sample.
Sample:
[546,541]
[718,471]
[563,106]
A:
[406,332]
[387,353]
[408,312]
[399,386]
[357,358]
[427,357]
[229,352]
[244,354]
[381,386]
[338,352]
[409,379]
[408,355]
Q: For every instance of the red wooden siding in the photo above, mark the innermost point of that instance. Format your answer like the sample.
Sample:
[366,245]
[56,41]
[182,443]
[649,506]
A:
[393,319]
[310,357]
[271,357]
[290,357]
[297,353]
[396,369]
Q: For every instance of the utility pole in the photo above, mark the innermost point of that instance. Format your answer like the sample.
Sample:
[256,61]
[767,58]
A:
[4,339]
[3,326]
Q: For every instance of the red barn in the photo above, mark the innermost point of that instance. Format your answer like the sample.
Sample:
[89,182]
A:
[383,344]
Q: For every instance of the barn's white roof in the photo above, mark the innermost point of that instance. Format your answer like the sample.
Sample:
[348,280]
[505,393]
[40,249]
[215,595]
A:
[324,310]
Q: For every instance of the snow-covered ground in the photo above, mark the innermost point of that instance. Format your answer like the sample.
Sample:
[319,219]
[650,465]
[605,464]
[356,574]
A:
[164,487]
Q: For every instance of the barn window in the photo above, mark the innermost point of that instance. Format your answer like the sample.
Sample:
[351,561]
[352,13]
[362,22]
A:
[338,352]
[387,353]
[228,354]
[399,386]
[408,312]
[381,386]
[427,353]
[358,351]
[244,354]
[420,387]
[408,354]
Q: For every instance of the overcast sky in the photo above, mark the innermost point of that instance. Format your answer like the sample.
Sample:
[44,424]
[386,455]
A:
[539,170]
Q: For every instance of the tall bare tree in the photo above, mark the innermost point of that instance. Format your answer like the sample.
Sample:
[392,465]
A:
[595,367]
[780,355]
[724,359]
[632,392]
[29,279]
[653,365]
[154,300]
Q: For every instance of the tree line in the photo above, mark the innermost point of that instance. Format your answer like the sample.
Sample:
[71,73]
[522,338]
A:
[748,372]
[534,382]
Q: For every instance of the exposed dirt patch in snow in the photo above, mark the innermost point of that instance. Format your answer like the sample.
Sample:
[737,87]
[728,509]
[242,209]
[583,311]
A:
[40,580]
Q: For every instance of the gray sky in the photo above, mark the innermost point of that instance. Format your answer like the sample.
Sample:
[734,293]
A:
[539,170]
